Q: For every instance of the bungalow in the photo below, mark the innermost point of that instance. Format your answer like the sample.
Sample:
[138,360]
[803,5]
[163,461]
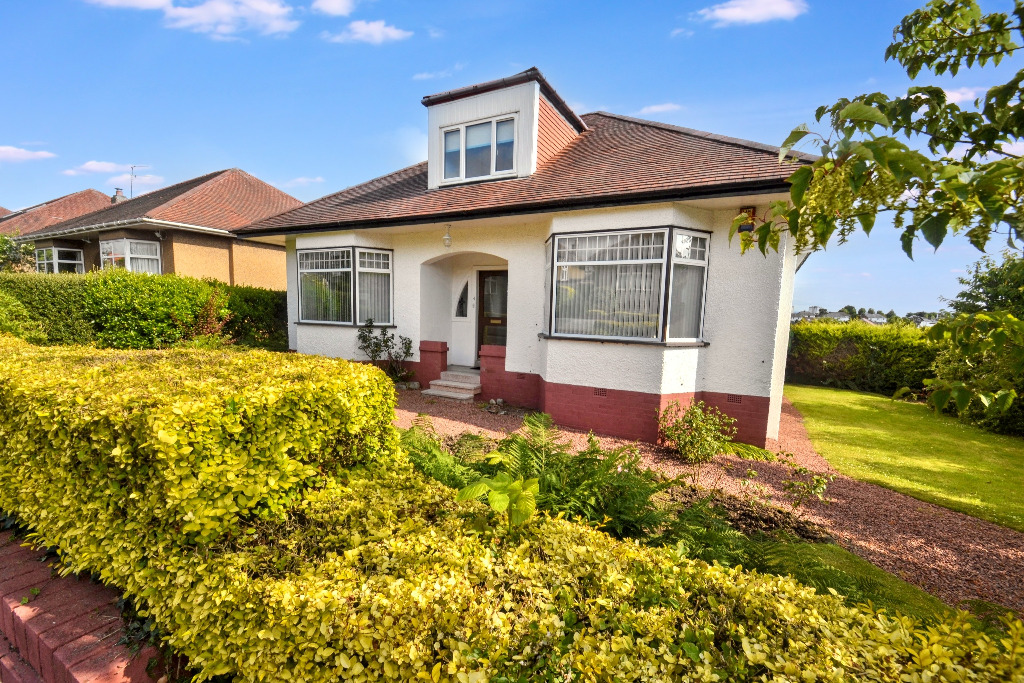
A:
[186,228]
[4,212]
[51,212]
[576,265]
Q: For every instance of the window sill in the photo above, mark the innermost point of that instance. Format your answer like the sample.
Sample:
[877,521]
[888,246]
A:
[641,342]
[327,323]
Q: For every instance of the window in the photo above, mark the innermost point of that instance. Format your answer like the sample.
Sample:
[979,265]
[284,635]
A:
[614,285]
[138,256]
[56,260]
[329,285]
[489,149]
[462,305]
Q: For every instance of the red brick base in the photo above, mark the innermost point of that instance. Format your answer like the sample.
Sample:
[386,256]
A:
[433,361]
[611,412]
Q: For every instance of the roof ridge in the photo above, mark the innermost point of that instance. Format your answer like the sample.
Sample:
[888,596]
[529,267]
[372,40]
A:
[693,132]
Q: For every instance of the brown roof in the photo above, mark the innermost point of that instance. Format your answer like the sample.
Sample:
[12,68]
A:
[226,200]
[531,74]
[43,215]
[3,211]
[618,160]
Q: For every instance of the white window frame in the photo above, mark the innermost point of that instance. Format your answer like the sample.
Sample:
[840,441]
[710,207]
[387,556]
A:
[55,261]
[666,285]
[555,263]
[127,242]
[355,269]
[705,262]
[493,120]
[357,251]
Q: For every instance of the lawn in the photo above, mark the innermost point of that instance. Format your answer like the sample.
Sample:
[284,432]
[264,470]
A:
[908,448]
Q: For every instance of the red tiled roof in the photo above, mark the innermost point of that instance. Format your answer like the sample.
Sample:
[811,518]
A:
[226,200]
[3,211]
[617,160]
[49,213]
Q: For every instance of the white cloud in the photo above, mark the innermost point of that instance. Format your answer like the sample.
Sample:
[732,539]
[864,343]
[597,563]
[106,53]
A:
[752,11]
[337,8]
[444,73]
[303,181]
[962,95]
[125,180]
[13,154]
[684,32]
[220,19]
[373,32]
[660,108]
[97,167]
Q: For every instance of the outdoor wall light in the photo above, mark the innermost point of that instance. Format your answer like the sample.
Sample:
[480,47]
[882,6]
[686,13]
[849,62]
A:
[750,211]
[447,239]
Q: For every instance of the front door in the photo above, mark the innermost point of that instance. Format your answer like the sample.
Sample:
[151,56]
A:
[492,311]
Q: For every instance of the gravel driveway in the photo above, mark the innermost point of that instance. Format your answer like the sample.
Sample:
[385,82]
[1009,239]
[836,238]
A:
[951,555]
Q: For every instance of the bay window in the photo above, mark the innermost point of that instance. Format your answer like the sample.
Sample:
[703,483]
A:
[57,260]
[621,285]
[479,150]
[138,256]
[345,285]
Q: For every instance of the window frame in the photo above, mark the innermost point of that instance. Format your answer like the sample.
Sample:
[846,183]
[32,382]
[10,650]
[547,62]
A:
[55,260]
[353,284]
[461,127]
[664,309]
[128,241]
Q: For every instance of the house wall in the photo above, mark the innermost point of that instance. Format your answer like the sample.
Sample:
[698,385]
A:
[521,100]
[553,131]
[198,255]
[608,386]
[258,265]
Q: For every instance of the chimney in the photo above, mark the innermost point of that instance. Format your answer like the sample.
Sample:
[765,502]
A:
[118,196]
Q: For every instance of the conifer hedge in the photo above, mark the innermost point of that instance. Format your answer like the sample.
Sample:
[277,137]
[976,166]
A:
[258,508]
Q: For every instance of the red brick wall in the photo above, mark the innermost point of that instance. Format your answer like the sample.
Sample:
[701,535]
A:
[553,132]
[433,361]
[612,412]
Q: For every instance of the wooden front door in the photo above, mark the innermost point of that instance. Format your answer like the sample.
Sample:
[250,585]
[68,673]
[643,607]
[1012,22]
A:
[492,308]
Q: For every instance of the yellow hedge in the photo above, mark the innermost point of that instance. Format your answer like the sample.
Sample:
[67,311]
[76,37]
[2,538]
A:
[269,526]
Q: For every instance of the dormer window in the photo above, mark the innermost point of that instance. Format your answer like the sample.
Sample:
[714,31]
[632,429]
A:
[480,150]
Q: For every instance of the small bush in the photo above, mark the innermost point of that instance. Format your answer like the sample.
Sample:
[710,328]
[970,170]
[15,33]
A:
[856,355]
[698,433]
[259,317]
[15,320]
[987,372]
[385,351]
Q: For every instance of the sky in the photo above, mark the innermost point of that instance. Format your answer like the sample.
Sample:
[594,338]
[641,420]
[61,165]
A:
[317,95]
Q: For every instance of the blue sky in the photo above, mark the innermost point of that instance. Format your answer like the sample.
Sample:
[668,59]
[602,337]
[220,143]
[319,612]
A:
[316,95]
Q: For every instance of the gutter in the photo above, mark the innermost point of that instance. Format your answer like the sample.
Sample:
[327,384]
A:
[99,227]
[746,189]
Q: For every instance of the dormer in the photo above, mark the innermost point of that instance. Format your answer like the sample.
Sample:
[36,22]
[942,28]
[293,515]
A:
[495,130]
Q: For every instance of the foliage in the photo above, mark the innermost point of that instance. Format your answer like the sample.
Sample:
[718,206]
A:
[609,488]
[259,317]
[57,301]
[256,508]
[15,320]
[968,180]
[857,355]
[698,433]
[16,257]
[802,484]
[517,499]
[384,350]
[908,448]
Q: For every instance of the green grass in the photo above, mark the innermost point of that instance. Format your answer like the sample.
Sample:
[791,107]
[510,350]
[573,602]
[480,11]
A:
[908,448]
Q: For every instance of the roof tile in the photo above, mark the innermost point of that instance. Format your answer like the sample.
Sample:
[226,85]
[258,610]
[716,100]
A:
[41,216]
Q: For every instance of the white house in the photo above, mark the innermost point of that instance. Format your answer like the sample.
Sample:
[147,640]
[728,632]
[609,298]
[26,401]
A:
[576,265]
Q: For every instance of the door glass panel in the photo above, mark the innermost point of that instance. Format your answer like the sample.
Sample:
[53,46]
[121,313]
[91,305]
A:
[493,308]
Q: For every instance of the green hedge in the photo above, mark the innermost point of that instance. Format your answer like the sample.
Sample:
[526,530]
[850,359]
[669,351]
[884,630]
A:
[15,320]
[257,508]
[858,355]
[119,309]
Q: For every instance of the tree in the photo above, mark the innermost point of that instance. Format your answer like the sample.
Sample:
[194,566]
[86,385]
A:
[861,311]
[849,309]
[16,257]
[966,178]
[870,310]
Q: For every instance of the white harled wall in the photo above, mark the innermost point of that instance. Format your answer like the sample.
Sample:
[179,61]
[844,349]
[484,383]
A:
[746,319]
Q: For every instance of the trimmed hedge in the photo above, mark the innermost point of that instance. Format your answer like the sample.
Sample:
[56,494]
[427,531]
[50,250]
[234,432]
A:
[120,309]
[256,506]
[15,320]
[856,355]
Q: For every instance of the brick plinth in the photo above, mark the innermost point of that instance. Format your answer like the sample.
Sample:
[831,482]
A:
[611,412]
[433,361]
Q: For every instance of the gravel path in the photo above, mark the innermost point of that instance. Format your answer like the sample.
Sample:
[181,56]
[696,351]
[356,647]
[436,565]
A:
[951,555]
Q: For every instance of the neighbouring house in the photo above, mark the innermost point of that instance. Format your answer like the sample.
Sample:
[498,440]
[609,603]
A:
[841,316]
[188,229]
[875,318]
[4,212]
[577,265]
[41,216]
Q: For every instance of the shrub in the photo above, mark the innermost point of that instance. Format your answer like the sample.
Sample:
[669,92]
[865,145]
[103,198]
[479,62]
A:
[15,320]
[856,355]
[385,351]
[57,301]
[698,433]
[259,317]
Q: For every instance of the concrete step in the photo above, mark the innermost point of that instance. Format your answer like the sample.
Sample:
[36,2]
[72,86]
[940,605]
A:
[465,387]
[464,376]
[447,394]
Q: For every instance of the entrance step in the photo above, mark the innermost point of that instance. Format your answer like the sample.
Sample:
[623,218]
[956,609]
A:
[463,376]
[457,382]
[439,393]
